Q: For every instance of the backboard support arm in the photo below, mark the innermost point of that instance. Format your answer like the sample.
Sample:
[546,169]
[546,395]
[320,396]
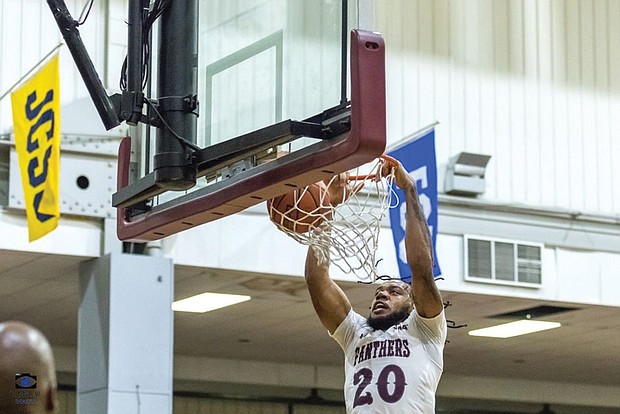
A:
[175,112]
[68,27]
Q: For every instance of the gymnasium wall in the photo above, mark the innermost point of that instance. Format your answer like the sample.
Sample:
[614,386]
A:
[533,84]
[529,83]
[28,32]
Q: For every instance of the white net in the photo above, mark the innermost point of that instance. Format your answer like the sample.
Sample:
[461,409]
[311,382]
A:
[346,234]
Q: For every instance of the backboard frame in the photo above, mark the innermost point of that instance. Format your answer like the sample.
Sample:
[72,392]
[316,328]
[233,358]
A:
[350,134]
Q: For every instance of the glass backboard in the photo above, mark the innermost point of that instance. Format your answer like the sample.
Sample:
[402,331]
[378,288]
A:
[275,113]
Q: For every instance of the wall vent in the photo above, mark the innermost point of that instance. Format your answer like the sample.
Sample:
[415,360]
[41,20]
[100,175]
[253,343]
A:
[504,262]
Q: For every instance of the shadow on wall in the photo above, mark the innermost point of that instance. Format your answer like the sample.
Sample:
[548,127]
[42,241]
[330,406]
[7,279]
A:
[564,43]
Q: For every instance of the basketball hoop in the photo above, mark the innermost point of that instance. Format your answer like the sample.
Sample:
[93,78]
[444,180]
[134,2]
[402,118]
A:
[346,234]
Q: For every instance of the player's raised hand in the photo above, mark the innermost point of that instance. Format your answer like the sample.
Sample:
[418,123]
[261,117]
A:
[401,178]
[340,189]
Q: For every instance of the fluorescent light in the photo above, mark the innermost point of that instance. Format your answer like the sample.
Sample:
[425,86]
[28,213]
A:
[206,302]
[508,330]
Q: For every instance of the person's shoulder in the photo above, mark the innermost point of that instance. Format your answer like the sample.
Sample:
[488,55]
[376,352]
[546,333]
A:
[356,320]
[353,323]
[435,326]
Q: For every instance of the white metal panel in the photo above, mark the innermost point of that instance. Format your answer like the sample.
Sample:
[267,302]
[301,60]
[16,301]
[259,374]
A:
[613,63]
[579,275]
[545,101]
[86,185]
[60,241]
[530,83]
[28,32]
[603,116]
[117,41]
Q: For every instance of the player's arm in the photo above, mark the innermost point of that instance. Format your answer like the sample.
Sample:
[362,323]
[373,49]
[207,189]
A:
[419,249]
[329,301]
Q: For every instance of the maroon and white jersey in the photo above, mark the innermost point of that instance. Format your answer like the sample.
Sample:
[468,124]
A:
[392,371]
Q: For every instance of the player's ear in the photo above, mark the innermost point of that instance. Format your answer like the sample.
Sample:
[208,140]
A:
[411,301]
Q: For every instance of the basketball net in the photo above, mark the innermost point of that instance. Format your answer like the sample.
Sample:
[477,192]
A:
[348,234]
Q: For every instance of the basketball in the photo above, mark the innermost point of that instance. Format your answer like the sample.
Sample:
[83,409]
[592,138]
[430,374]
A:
[302,209]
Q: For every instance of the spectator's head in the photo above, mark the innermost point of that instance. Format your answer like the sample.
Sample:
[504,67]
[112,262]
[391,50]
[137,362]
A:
[27,371]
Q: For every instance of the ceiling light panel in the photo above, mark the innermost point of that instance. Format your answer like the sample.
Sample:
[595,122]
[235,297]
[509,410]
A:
[512,329]
[207,301]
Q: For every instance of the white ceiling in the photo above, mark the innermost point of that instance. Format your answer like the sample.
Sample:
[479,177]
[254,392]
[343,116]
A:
[43,290]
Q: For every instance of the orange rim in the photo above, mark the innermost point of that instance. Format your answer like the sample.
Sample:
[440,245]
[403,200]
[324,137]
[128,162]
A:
[384,159]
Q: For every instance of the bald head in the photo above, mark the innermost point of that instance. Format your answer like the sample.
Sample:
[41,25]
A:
[27,371]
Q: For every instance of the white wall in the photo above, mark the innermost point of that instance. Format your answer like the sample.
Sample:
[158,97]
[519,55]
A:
[534,84]
[567,275]
[564,270]
[28,32]
[530,83]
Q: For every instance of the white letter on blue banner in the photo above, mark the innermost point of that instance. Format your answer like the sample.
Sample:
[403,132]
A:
[418,158]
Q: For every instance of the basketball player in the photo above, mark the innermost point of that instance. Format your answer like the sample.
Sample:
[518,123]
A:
[27,373]
[393,358]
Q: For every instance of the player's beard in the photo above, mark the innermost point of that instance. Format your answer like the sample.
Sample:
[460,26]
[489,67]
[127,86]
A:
[384,323]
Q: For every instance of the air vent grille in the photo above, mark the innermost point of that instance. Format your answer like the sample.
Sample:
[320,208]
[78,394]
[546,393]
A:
[503,261]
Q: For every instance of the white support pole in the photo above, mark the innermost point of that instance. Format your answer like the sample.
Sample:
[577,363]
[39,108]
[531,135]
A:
[125,335]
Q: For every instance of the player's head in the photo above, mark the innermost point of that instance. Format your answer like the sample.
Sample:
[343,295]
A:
[27,370]
[392,303]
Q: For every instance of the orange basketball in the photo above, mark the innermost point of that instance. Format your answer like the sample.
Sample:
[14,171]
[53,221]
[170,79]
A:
[302,209]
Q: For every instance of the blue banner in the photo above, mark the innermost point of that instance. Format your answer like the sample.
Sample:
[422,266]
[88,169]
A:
[418,158]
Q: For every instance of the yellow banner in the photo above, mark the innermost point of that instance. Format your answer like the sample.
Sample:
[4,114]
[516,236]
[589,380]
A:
[36,122]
